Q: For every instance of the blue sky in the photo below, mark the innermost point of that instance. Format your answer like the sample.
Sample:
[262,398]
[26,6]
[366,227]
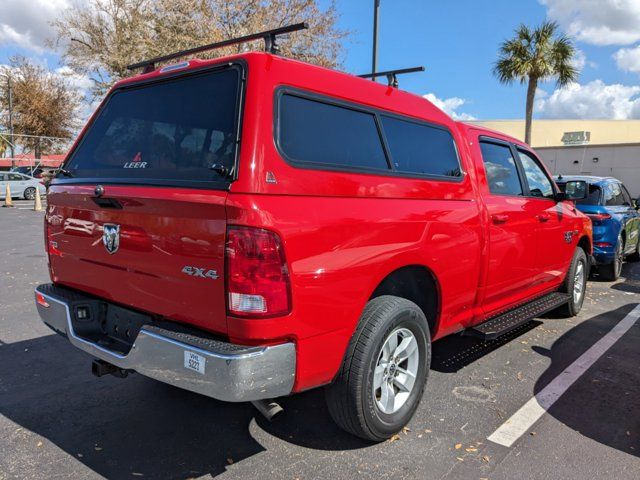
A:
[456,41]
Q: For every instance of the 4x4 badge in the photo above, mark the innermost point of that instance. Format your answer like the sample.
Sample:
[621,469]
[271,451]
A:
[111,237]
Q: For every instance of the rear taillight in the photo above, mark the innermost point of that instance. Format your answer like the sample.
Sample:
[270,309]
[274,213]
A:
[602,245]
[598,217]
[257,273]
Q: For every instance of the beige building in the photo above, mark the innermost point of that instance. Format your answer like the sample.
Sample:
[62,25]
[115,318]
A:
[587,147]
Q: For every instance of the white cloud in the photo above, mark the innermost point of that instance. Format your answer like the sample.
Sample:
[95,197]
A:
[594,100]
[580,61]
[598,22]
[25,23]
[628,59]
[449,106]
[76,80]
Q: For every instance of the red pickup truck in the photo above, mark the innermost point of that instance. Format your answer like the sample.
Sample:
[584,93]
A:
[253,226]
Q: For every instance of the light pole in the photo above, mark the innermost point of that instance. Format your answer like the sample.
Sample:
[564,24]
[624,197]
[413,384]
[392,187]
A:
[13,152]
[374,61]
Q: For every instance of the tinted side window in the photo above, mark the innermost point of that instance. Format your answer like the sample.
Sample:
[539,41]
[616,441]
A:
[320,133]
[502,173]
[539,183]
[613,196]
[626,196]
[14,177]
[418,148]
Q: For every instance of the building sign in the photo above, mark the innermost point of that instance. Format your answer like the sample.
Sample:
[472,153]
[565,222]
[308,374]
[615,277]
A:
[576,138]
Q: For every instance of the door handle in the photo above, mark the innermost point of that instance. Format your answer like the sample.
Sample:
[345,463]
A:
[544,217]
[499,218]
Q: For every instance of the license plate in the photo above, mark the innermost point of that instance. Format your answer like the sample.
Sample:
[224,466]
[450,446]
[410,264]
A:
[194,362]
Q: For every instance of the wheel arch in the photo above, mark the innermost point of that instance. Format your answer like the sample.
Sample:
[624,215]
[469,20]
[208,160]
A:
[585,244]
[416,283]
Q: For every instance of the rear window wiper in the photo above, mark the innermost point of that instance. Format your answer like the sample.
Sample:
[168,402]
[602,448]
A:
[66,173]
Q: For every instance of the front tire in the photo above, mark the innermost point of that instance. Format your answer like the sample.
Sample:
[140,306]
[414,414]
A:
[383,374]
[575,284]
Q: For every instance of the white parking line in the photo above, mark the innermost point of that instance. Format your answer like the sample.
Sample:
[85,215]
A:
[530,412]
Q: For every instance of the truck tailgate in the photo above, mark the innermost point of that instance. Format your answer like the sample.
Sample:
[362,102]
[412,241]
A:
[159,250]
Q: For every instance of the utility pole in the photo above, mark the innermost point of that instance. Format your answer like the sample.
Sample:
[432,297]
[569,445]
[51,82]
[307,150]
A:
[374,62]
[13,152]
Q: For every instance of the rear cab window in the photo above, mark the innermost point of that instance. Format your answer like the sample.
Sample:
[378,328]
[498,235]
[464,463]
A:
[172,131]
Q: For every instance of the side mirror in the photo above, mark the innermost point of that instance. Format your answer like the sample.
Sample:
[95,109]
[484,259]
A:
[635,203]
[575,190]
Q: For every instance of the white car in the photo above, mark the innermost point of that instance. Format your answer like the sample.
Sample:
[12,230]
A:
[22,186]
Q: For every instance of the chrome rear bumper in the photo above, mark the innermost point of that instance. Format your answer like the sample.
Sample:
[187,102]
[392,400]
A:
[229,372]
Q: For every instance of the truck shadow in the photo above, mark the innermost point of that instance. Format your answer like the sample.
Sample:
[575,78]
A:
[603,404]
[137,426]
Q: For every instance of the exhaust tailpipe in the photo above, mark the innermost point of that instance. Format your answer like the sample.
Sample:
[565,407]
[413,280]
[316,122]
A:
[268,408]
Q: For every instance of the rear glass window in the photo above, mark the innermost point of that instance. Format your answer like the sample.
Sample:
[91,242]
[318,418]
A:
[171,130]
[419,148]
[593,197]
[320,133]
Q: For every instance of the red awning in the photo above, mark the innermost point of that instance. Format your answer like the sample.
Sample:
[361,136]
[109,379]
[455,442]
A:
[51,161]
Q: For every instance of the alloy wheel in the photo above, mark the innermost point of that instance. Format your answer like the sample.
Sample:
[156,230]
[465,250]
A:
[579,279]
[396,370]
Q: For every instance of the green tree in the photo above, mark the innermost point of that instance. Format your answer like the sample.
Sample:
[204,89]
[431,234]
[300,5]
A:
[534,56]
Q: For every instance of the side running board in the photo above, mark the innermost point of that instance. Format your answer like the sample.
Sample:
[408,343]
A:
[507,321]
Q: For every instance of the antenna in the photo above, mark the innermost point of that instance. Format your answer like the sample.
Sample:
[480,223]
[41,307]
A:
[391,75]
[269,37]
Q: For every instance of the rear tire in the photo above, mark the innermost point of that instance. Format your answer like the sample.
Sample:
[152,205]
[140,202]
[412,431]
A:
[30,193]
[612,271]
[575,284]
[372,370]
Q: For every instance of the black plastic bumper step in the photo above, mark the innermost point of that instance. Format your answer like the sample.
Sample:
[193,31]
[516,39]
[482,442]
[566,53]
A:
[507,321]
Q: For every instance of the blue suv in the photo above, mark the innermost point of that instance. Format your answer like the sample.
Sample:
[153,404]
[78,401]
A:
[616,222]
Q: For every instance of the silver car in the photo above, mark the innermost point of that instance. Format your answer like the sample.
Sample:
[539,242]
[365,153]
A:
[22,186]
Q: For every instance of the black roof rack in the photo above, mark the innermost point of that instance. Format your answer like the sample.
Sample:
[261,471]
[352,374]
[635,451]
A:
[392,74]
[269,37]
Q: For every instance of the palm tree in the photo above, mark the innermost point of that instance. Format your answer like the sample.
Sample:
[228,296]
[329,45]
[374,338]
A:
[534,56]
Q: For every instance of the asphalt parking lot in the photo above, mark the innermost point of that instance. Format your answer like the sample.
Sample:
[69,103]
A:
[59,421]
